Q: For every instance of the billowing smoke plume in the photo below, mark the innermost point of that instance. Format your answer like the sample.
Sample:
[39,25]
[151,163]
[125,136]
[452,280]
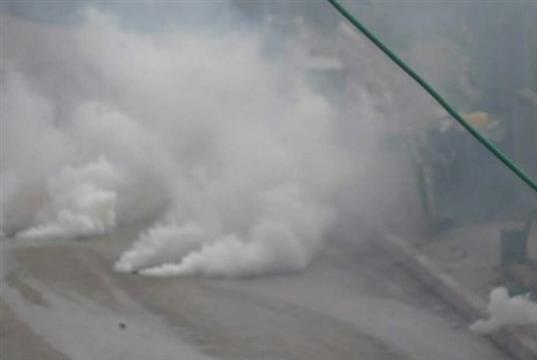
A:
[285,236]
[505,310]
[232,155]
[82,202]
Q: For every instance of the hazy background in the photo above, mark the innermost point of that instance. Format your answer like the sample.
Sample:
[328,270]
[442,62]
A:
[252,133]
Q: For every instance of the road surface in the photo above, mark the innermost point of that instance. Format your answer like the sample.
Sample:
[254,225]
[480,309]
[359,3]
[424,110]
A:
[61,300]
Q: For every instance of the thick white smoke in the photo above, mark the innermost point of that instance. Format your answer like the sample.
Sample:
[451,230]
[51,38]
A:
[284,238]
[82,202]
[232,155]
[505,310]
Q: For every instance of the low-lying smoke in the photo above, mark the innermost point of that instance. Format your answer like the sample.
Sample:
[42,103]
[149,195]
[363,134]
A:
[81,202]
[505,310]
[284,238]
[232,155]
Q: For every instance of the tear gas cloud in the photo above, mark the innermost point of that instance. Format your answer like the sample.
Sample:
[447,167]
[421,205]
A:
[232,156]
[219,134]
[81,201]
[505,310]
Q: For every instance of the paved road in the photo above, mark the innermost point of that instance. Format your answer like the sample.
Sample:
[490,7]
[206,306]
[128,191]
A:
[60,300]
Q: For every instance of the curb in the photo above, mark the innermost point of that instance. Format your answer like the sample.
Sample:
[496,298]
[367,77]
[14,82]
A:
[520,346]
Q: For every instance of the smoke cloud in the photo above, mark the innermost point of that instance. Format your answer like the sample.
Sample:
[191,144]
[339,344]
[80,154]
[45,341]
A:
[232,156]
[505,310]
[286,236]
[82,202]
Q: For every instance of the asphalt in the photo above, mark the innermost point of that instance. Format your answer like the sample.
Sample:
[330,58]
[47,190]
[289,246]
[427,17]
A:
[461,268]
[61,300]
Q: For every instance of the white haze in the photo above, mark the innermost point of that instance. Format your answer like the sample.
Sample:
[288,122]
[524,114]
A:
[81,202]
[505,310]
[233,156]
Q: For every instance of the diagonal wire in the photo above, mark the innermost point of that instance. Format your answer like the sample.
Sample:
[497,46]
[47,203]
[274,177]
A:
[450,110]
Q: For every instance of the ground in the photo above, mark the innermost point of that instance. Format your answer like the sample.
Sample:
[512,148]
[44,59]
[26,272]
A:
[61,300]
[471,256]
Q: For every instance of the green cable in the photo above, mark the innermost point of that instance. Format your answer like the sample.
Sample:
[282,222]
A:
[476,134]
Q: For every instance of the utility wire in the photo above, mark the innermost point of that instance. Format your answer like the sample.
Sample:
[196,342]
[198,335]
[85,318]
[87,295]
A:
[450,110]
